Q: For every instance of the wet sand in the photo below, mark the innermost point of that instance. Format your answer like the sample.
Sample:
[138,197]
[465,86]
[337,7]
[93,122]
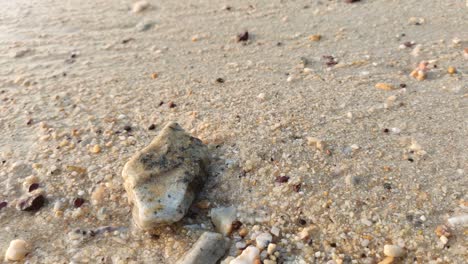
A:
[299,135]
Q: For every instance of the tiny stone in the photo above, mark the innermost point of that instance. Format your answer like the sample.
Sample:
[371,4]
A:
[275,231]
[315,37]
[248,256]
[95,149]
[33,187]
[263,240]
[271,248]
[385,86]
[393,251]
[243,232]
[78,202]
[222,218]
[152,127]
[140,6]
[209,248]
[451,70]
[32,201]
[3,204]
[17,250]
[243,36]
[282,179]
[444,240]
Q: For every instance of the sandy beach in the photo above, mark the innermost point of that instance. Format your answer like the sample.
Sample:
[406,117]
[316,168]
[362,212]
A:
[339,128]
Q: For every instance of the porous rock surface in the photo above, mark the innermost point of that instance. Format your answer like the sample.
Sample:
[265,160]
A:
[162,179]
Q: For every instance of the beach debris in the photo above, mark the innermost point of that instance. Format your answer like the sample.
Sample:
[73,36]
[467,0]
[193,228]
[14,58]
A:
[163,179]
[17,250]
[460,220]
[248,256]
[223,219]
[393,251]
[282,179]
[385,86]
[315,37]
[465,53]
[329,60]
[140,6]
[243,36]
[271,248]
[420,72]
[95,149]
[3,204]
[78,202]
[171,104]
[144,25]
[209,248]
[417,21]
[219,80]
[31,201]
[152,127]
[442,230]
[351,1]
[407,44]
[243,232]
[263,239]
[451,70]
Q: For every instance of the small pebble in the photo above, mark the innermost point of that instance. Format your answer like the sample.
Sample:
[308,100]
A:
[140,6]
[78,202]
[275,231]
[152,127]
[263,240]
[248,256]
[385,86]
[393,251]
[32,201]
[17,250]
[243,36]
[444,240]
[315,37]
[243,232]
[154,75]
[451,70]
[95,149]
[271,248]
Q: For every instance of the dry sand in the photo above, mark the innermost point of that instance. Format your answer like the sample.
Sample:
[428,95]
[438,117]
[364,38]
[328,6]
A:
[77,98]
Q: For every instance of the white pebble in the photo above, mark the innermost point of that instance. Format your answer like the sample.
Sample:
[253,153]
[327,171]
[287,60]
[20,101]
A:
[271,248]
[248,256]
[393,251]
[365,243]
[461,220]
[222,218]
[140,6]
[17,250]
[275,231]
[444,239]
[263,240]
